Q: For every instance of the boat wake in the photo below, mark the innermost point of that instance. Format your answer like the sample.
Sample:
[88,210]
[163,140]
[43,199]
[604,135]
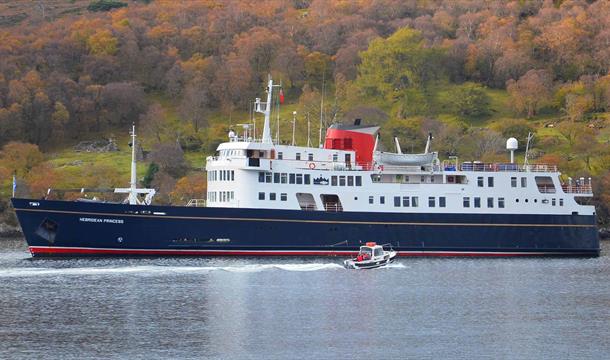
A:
[156,269]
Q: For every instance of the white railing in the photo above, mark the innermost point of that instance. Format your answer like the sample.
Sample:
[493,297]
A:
[196,203]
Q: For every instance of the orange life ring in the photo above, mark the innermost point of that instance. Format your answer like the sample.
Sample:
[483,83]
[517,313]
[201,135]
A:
[312,166]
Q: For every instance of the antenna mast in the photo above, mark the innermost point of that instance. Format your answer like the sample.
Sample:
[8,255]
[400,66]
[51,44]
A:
[265,108]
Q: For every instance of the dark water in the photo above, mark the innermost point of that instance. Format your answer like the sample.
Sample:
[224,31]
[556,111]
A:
[287,308]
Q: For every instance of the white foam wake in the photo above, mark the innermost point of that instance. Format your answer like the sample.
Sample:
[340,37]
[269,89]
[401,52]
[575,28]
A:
[152,269]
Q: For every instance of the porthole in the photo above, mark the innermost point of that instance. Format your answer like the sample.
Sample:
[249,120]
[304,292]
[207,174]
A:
[535,200]
[526,200]
[516,200]
[355,198]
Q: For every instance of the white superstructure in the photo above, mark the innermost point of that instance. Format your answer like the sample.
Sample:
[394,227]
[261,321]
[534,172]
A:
[256,173]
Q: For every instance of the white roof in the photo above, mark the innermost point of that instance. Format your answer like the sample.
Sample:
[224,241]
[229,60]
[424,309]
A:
[241,145]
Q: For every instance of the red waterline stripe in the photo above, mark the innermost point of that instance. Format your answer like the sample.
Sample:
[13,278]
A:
[43,250]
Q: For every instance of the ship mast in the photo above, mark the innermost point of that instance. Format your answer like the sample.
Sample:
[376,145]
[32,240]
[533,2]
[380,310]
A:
[132,190]
[265,108]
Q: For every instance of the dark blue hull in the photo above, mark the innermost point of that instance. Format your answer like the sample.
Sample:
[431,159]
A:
[62,228]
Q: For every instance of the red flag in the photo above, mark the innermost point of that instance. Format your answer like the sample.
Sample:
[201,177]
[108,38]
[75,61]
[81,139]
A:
[281,96]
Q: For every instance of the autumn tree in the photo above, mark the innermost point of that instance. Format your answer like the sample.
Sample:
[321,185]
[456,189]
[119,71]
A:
[531,92]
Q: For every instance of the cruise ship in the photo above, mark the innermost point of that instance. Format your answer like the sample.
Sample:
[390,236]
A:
[265,198]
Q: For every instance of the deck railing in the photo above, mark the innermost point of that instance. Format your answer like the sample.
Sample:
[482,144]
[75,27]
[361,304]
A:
[577,189]
[196,203]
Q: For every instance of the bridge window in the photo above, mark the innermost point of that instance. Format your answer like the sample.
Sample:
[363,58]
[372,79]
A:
[283,196]
[284,178]
[466,202]
[271,196]
[261,196]
[513,182]
[523,182]
[298,156]
[280,155]
[333,180]
[342,180]
[358,180]
[405,201]
[261,176]
[442,201]
[431,201]
[268,177]
[291,178]
[490,202]
[276,178]
[480,181]
[501,203]
[490,181]
[310,156]
[299,179]
[350,181]
[307,179]
[397,201]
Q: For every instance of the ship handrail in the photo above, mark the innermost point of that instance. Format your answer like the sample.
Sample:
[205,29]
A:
[577,188]
[196,203]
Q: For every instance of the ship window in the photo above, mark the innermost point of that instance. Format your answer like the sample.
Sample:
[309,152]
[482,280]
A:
[232,175]
[523,182]
[466,202]
[545,201]
[371,199]
[261,176]
[397,201]
[490,202]
[513,182]
[284,178]
[271,196]
[341,180]
[553,202]
[276,178]
[423,178]
[350,181]
[480,181]
[291,178]
[298,156]
[299,179]
[333,180]
[307,179]
[358,180]
[382,199]
[414,201]
[280,155]
[560,202]
[516,200]
[268,177]
[477,202]
[405,201]
[501,203]
[283,196]
[527,200]
[335,157]
[431,201]
[310,156]
[442,201]
[261,196]
[490,181]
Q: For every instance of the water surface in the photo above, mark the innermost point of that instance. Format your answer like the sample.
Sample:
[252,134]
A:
[287,308]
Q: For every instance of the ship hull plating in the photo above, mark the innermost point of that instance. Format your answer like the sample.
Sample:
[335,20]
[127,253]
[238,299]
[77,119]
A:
[61,228]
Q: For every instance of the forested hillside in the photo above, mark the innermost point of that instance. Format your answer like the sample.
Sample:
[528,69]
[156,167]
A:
[472,72]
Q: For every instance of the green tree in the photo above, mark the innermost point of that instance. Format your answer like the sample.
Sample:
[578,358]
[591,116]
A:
[469,99]
[397,63]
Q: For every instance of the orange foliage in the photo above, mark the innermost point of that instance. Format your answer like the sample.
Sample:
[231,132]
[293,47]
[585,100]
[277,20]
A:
[190,187]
